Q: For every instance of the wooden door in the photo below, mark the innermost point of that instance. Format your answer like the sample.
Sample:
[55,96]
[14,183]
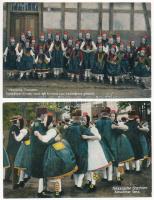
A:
[22,22]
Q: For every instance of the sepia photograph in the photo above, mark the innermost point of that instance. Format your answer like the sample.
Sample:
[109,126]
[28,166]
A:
[77,149]
[76,50]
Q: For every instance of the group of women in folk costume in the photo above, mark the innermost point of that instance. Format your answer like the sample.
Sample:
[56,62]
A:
[78,59]
[81,149]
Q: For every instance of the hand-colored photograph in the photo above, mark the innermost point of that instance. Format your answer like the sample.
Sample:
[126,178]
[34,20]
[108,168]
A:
[77,149]
[76,50]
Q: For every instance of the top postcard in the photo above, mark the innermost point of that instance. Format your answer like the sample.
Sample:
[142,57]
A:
[76,50]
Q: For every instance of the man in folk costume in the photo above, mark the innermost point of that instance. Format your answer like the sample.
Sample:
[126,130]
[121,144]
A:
[12,149]
[99,68]
[76,61]
[104,126]
[10,58]
[56,55]
[142,68]
[113,69]
[38,149]
[89,48]
[133,136]
[42,64]
[67,52]
[79,146]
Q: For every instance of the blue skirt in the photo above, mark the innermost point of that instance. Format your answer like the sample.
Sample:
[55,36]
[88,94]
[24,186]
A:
[59,160]
[26,63]
[23,158]
[88,60]
[74,66]
[141,70]
[57,59]
[6,162]
[113,69]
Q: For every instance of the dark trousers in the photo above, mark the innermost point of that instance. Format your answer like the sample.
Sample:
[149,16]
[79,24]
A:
[12,171]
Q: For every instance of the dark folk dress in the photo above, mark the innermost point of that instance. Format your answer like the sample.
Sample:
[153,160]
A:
[11,58]
[75,60]
[79,146]
[133,136]
[113,66]
[59,160]
[23,158]
[38,149]
[122,148]
[57,55]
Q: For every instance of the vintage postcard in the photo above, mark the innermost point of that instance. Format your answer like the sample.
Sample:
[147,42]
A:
[77,149]
[76,50]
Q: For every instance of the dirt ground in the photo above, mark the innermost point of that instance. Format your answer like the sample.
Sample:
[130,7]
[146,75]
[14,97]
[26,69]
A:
[67,89]
[132,186]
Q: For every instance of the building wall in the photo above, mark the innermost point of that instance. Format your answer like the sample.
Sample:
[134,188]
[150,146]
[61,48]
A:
[130,19]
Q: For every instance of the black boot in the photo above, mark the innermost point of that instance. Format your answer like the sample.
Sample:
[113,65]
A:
[43,195]
[19,185]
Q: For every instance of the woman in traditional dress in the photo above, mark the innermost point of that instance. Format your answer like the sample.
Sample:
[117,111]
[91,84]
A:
[59,160]
[26,60]
[23,157]
[123,61]
[142,67]
[99,68]
[56,53]
[76,61]
[98,160]
[6,162]
[42,64]
[121,147]
[143,130]
[113,69]
[10,58]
